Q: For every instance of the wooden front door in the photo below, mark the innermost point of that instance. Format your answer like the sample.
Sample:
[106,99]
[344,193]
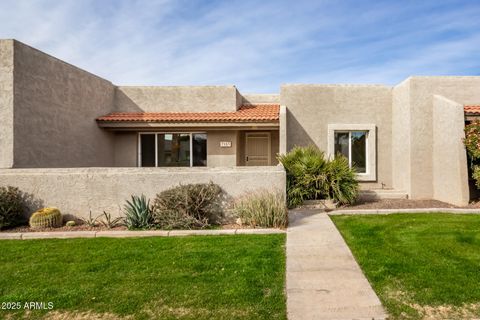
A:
[257,149]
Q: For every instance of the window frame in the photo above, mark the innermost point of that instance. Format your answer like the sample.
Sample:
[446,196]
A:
[156,133]
[370,173]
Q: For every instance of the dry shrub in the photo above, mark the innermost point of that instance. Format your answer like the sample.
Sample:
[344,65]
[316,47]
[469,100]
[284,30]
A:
[262,209]
[190,206]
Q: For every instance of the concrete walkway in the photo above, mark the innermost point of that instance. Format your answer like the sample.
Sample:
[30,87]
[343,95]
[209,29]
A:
[323,279]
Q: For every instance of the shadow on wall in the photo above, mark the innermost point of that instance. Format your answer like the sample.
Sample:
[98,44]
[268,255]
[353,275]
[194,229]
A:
[31,204]
[123,103]
[297,136]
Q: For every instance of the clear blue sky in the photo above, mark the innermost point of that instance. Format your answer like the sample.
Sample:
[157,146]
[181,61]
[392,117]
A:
[256,45]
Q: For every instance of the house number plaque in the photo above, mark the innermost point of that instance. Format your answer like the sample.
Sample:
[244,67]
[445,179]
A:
[225,144]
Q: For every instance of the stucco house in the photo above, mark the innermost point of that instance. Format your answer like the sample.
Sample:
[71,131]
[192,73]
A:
[78,141]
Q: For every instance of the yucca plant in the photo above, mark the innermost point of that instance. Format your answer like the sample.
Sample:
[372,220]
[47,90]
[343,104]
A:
[306,169]
[138,214]
[310,176]
[341,181]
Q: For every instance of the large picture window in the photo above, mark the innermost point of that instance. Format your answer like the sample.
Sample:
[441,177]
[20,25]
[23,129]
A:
[173,150]
[353,145]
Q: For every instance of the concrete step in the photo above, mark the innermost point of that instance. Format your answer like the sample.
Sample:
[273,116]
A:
[377,194]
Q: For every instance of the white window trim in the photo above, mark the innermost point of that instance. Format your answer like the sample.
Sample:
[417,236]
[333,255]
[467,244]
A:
[156,133]
[371,156]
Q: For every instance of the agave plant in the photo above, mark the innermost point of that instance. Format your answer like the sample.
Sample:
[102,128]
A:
[138,214]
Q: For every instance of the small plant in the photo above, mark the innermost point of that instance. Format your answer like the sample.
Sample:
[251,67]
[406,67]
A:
[46,218]
[191,206]
[109,222]
[138,214]
[90,221]
[11,207]
[71,223]
[262,209]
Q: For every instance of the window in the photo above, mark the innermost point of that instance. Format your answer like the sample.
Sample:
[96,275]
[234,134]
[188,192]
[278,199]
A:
[173,149]
[353,145]
[357,142]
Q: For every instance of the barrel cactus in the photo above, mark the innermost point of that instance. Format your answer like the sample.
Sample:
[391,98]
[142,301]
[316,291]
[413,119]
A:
[46,218]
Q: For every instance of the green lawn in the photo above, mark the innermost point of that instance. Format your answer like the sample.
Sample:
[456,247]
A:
[420,265]
[204,277]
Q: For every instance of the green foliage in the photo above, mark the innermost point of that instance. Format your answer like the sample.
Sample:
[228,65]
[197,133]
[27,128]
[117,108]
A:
[90,221]
[138,214]
[262,209]
[472,144]
[46,218]
[472,139]
[476,175]
[190,206]
[306,174]
[106,220]
[310,176]
[341,181]
[11,207]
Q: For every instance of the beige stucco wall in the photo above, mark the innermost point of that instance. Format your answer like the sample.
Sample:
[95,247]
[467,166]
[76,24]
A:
[77,191]
[462,90]
[126,149]
[218,156]
[401,137]
[311,108]
[176,99]
[450,173]
[260,98]
[6,103]
[55,106]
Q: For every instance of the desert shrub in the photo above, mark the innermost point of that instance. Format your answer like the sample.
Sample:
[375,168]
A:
[306,174]
[310,176]
[341,181]
[472,144]
[11,207]
[138,214]
[190,206]
[262,209]
[46,218]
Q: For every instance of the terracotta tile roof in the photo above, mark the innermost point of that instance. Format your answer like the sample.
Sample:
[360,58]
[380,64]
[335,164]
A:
[246,113]
[472,109]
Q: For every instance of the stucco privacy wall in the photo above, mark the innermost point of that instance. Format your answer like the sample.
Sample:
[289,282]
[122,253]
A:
[463,90]
[311,108]
[450,173]
[54,113]
[6,103]
[176,99]
[401,137]
[77,191]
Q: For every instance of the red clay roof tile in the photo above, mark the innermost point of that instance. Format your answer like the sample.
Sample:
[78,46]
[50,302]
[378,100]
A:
[246,113]
[472,109]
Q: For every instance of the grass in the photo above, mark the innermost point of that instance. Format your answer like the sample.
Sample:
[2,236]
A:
[203,277]
[420,265]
